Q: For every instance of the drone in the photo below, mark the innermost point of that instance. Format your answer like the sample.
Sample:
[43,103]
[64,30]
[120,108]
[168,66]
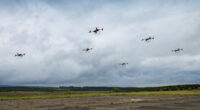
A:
[87,49]
[123,64]
[96,30]
[148,39]
[177,50]
[20,54]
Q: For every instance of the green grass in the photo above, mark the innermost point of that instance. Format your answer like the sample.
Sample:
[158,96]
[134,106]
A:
[14,96]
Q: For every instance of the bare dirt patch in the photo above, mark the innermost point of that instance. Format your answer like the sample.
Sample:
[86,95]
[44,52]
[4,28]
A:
[134,102]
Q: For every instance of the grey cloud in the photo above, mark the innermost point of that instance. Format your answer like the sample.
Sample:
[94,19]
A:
[53,36]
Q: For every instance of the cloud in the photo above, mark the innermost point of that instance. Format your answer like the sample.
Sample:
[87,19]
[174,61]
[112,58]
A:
[53,35]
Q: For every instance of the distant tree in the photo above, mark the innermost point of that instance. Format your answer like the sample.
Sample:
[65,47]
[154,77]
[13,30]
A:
[116,90]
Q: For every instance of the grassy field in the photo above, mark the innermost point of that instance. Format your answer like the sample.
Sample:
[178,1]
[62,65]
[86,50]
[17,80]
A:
[47,95]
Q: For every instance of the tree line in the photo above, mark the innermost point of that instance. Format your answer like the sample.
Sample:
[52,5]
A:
[87,88]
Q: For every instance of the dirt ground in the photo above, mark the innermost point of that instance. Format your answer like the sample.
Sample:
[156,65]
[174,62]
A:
[141,102]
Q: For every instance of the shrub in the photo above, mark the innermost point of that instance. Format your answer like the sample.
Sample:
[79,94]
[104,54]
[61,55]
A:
[116,90]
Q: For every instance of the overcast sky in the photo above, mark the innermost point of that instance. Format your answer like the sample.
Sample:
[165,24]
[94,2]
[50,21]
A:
[53,33]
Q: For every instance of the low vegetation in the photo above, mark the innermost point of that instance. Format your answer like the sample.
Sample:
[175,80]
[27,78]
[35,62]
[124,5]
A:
[13,95]
[67,92]
[10,93]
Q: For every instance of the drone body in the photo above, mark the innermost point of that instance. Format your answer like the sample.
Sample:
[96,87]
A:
[20,54]
[96,30]
[177,50]
[87,49]
[147,39]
